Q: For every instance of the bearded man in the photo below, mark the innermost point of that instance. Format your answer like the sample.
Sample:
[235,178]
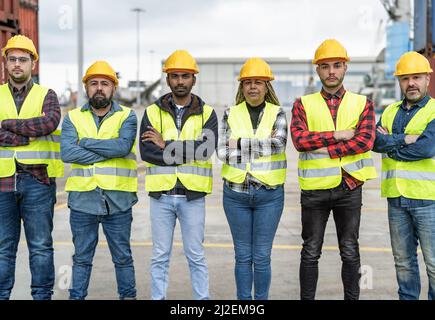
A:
[98,139]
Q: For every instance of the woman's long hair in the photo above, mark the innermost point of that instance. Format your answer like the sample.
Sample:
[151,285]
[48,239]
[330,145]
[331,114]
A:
[270,95]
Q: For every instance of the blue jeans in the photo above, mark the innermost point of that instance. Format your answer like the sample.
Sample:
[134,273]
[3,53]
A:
[33,202]
[117,229]
[253,220]
[191,215]
[408,226]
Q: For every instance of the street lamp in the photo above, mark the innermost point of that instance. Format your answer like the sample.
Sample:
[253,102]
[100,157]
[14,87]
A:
[152,64]
[80,93]
[138,12]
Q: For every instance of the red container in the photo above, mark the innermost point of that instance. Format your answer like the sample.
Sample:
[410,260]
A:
[28,24]
[26,17]
[9,12]
[432,80]
[5,34]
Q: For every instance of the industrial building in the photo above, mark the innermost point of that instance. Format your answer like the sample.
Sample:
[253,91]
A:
[217,81]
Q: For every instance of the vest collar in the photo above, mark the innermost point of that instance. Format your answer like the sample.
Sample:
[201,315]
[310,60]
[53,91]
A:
[338,95]
[195,107]
[419,104]
[23,90]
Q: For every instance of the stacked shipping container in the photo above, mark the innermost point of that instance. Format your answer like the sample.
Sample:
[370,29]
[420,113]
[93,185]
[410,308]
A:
[18,17]
[421,23]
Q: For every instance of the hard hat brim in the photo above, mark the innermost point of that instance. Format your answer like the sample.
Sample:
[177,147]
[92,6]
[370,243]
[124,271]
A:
[258,78]
[339,59]
[398,74]
[33,54]
[87,78]
[181,70]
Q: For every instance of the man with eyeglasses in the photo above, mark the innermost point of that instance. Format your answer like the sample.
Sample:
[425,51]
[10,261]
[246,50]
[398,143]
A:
[29,163]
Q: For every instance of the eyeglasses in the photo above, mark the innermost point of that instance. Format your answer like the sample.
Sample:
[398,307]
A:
[21,60]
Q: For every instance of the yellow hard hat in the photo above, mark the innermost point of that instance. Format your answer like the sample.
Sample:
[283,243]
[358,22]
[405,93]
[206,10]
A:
[330,49]
[412,62]
[22,43]
[102,69]
[180,60]
[256,68]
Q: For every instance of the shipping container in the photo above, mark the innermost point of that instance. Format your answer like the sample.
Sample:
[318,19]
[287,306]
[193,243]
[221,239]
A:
[26,13]
[420,24]
[432,81]
[5,34]
[28,25]
[397,44]
[9,13]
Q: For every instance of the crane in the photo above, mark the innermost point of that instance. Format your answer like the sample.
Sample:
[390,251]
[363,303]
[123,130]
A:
[398,10]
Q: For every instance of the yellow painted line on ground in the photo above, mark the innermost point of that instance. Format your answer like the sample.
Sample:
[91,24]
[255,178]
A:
[230,246]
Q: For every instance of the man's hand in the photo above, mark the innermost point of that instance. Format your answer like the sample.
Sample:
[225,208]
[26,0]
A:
[152,135]
[411,138]
[382,130]
[344,135]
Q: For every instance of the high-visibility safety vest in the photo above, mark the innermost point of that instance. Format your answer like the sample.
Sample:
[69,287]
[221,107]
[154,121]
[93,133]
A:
[270,170]
[195,175]
[413,179]
[119,174]
[43,150]
[319,171]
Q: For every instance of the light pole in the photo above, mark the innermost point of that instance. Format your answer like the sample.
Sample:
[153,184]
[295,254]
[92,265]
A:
[138,12]
[152,64]
[80,93]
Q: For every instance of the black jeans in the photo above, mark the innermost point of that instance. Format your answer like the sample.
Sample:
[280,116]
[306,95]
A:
[346,208]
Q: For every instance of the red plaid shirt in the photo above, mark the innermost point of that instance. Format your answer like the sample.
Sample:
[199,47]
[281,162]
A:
[363,140]
[16,132]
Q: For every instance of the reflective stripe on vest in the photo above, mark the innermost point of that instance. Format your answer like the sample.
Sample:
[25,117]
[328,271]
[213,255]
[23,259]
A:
[89,172]
[411,179]
[42,150]
[269,170]
[50,138]
[196,175]
[319,171]
[182,169]
[409,175]
[118,174]
[6,153]
[358,165]
[23,155]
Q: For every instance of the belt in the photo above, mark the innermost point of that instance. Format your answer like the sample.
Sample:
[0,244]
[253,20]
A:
[175,191]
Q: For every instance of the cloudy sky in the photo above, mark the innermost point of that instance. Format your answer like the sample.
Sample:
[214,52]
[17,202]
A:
[206,28]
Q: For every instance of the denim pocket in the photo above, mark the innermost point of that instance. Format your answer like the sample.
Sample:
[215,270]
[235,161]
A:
[39,181]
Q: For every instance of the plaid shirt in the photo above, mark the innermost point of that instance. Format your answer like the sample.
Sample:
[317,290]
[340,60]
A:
[250,149]
[16,132]
[305,140]
[179,112]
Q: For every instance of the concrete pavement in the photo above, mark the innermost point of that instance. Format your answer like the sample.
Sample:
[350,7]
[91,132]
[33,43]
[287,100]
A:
[378,282]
